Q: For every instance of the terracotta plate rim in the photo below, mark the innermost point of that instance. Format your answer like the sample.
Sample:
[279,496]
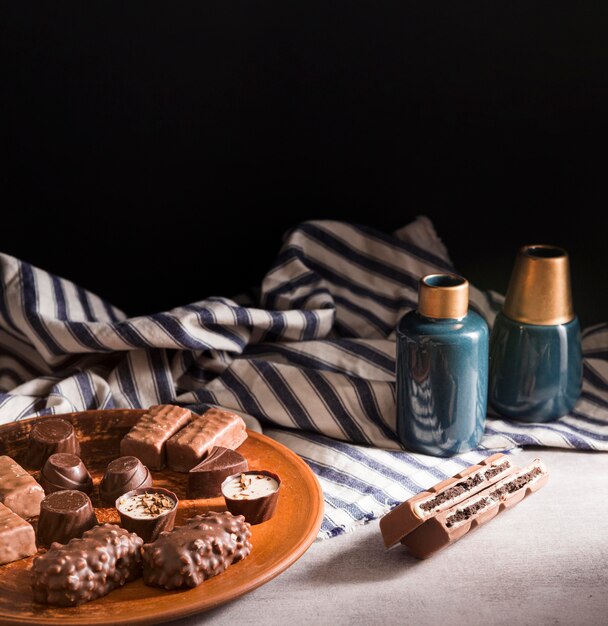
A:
[188,607]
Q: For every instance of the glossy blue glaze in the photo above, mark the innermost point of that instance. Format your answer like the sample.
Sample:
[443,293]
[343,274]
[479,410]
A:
[442,383]
[535,371]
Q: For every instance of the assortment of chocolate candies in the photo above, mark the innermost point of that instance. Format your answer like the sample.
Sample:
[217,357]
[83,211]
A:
[86,560]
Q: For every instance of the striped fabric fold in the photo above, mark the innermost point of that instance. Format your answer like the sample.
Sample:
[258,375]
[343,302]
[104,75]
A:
[311,354]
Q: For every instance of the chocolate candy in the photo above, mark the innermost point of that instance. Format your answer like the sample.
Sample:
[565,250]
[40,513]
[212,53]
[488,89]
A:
[65,471]
[17,537]
[204,547]
[253,494]
[215,427]
[146,440]
[104,559]
[48,436]
[18,490]
[123,474]
[147,512]
[63,516]
[450,525]
[205,479]
[404,518]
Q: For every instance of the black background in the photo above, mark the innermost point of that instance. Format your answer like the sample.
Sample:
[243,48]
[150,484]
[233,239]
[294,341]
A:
[156,152]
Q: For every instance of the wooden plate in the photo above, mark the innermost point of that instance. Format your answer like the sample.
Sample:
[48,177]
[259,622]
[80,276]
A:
[277,543]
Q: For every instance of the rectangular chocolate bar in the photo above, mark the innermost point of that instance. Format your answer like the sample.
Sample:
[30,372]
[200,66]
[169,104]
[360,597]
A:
[18,490]
[216,427]
[105,558]
[147,439]
[17,537]
[450,525]
[405,517]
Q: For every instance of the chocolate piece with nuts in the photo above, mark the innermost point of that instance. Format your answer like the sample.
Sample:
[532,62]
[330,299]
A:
[203,547]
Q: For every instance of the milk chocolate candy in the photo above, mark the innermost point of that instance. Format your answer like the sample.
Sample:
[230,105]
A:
[17,537]
[407,516]
[253,494]
[64,515]
[452,524]
[65,471]
[146,440]
[204,547]
[105,558]
[216,427]
[123,474]
[147,512]
[18,490]
[48,436]
[205,479]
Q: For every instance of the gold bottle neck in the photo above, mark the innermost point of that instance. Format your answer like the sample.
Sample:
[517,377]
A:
[443,296]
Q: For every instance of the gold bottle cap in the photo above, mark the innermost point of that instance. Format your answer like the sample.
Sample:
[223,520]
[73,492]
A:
[443,296]
[539,288]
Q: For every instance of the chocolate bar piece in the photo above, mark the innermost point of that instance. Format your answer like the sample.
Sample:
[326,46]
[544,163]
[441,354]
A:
[205,479]
[104,559]
[123,474]
[63,516]
[65,471]
[17,537]
[49,436]
[146,440]
[18,490]
[215,427]
[449,526]
[253,494]
[204,547]
[404,518]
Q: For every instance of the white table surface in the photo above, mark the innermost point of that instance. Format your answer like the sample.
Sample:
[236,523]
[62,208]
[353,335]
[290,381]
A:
[543,562]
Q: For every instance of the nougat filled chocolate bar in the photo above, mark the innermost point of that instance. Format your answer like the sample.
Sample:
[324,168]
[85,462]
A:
[18,490]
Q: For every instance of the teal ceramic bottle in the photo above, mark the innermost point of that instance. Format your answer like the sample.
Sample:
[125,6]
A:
[442,370]
[535,346]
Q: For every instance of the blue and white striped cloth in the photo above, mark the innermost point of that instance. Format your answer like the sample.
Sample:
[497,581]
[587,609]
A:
[312,358]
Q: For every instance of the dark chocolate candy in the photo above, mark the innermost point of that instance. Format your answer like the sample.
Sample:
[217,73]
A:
[254,508]
[104,559]
[146,440]
[407,516]
[203,547]
[216,427]
[452,524]
[146,511]
[65,471]
[123,474]
[63,516]
[205,479]
[17,537]
[18,490]
[48,436]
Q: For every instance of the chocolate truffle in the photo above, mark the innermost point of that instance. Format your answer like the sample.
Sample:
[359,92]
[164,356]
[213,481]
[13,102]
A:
[64,515]
[65,471]
[123,474]
[48,436]
[17,537]
[205,479]
[18,490]
[253,494]
[147,512]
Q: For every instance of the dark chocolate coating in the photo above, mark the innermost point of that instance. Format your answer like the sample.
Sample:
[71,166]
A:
[254,510]
[63,516]
[148,529]
[65,471]
[123,474]
[203,547]
[49,436]
[104,559]
[205,479]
